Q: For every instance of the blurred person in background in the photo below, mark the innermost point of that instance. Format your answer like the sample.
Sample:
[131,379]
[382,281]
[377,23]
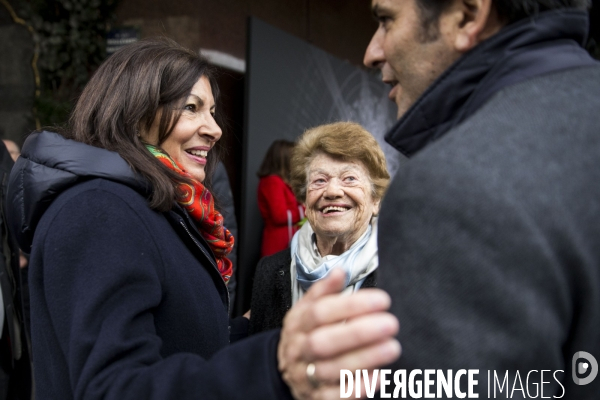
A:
[339,172]
[129,263]
[221,189]
[15,152]
[15,362]
[278,206]
[12,148]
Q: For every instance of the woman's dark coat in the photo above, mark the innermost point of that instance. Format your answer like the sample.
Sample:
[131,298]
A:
[126,302]
[272,291]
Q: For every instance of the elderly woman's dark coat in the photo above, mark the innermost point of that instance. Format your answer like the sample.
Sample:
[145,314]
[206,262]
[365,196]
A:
[272,291]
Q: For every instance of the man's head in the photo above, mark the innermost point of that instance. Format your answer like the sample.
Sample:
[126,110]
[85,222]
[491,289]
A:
[417,40]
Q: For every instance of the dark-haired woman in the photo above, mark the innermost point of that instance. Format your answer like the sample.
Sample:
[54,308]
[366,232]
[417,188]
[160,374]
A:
[278,206]
[129,266]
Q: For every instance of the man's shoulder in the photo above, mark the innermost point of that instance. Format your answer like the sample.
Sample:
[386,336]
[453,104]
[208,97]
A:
[549,112]
[564,95]
[564,84]
[529,139]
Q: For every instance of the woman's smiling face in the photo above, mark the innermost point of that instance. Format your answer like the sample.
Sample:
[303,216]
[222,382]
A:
[339,200]
[194,134]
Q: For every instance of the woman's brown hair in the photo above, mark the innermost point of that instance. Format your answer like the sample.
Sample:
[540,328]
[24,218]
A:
[277,160]
[125,95]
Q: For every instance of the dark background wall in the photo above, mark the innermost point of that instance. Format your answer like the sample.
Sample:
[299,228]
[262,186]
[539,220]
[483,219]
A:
[340,27]
[17,85]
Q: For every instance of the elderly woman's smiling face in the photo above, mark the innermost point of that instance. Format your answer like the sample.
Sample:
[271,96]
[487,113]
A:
[339,202]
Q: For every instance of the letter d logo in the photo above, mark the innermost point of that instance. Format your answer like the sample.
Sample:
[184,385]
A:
[583,367]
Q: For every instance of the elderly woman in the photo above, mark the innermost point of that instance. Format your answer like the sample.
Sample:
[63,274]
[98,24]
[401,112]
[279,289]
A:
[339,173]
[129,260]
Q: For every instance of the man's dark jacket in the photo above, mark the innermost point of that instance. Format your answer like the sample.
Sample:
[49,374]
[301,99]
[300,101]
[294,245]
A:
[126,302]
[489,237]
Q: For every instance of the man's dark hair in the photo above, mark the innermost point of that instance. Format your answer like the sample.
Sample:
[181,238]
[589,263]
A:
[509,11]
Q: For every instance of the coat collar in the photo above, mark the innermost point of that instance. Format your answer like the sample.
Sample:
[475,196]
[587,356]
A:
[49,165]
[547,43]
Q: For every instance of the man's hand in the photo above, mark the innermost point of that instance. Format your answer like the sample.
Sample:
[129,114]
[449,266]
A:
[334,332]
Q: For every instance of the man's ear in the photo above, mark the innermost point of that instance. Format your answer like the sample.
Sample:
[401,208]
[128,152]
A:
[477,20]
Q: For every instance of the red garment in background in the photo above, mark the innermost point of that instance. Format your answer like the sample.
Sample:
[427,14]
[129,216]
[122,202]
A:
[277,202]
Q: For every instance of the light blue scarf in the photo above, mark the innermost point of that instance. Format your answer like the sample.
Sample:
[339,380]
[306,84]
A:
[358,261]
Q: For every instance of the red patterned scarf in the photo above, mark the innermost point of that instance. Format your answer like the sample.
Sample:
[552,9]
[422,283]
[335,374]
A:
[199,203]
